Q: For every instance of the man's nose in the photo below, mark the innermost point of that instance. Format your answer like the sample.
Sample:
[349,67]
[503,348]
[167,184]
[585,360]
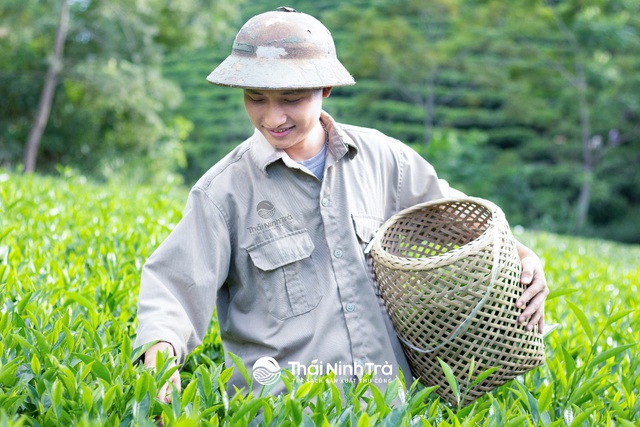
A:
[275,116]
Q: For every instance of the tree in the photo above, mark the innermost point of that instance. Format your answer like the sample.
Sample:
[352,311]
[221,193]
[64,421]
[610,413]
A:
[46,98]
[576,60]
[403,46]
[113,111]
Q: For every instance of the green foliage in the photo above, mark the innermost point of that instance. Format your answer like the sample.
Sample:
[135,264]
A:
[114,111]
[217,113]
[70,257]
[550,89]
[503,74]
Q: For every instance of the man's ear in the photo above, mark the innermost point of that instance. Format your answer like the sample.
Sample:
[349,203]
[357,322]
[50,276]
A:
[326,91]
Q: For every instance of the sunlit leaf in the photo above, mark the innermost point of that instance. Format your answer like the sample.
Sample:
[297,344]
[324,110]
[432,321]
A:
[451,379]
[584,322]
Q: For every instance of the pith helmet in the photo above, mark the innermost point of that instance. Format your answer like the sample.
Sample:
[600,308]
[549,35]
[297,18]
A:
[284,49]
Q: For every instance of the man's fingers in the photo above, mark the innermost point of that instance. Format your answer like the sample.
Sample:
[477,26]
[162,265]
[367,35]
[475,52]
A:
[534,313]
[530,310]
[175,380]
[541,323]
[526,276]
[537,288]
[532,277]
[533,298]
[164,394]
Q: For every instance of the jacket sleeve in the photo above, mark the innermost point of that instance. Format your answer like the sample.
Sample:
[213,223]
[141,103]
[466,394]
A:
[419,182]
[180,280]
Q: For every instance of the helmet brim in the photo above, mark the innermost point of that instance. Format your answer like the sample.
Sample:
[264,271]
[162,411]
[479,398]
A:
[279,73]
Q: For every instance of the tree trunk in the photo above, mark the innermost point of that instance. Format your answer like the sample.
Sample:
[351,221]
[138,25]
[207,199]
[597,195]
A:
[588,160]
[46,96]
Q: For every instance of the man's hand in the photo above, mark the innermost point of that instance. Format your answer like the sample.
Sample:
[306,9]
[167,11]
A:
[164,395]
[533,298]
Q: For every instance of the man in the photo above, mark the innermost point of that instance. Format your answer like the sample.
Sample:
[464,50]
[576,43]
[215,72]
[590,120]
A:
[274,234]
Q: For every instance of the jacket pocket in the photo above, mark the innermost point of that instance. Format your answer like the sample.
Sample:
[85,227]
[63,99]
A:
[287,274]
[365,227]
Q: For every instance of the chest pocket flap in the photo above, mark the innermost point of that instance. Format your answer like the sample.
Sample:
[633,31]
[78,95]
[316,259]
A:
[287,274]
[283,250]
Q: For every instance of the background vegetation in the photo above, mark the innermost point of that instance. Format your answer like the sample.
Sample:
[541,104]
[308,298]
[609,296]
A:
[70,255]
[533,104]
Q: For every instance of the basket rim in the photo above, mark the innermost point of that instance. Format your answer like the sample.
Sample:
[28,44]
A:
[387,259]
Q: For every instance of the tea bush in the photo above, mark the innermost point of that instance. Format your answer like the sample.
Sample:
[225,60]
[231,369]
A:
[70,258]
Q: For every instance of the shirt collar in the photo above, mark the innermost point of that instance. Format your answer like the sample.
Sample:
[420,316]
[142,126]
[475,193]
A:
[340,144]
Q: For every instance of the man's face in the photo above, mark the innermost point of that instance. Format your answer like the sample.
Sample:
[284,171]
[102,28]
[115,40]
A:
[288,119]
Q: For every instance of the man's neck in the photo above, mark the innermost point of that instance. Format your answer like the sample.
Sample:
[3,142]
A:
[311,146]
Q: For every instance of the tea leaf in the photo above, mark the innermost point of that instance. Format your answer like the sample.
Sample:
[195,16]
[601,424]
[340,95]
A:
[304,389]
[394,418]
[582,417]
[546,395]
[87,398]
[98,369]
[451,379]
[239,364]
[189,392]
[380,403]
[584,322]
[141,387]
[364,420]
[225,376]
[569,362]
[35,364]
[558,292]
[483,376]
[585,388]
[419,400]
[296,411]
[8,372]
[619,315]
[531,402]
[607,354]
[109,397]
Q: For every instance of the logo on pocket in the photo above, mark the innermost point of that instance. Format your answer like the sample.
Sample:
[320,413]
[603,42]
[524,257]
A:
[266,209]
[266,370]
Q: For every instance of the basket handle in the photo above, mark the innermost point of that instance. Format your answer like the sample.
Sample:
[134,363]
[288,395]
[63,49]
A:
[465,324]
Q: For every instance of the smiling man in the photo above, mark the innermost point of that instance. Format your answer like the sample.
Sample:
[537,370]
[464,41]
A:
[274,234]
[289,119]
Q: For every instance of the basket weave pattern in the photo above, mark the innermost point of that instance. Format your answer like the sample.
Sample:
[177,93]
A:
[449,274]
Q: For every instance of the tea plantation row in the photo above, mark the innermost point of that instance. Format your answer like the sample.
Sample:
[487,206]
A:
[70,258]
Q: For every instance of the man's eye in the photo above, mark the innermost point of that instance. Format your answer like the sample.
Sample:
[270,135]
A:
[292,101]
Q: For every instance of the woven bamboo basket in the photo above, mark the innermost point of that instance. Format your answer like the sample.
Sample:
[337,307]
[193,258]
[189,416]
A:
[449,275]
